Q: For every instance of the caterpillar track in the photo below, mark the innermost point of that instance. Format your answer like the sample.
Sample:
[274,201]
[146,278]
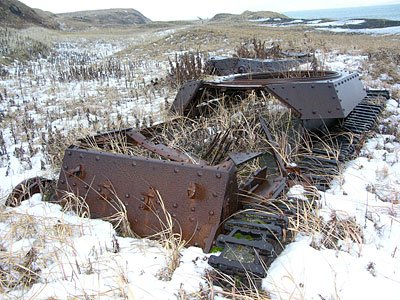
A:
[257,234]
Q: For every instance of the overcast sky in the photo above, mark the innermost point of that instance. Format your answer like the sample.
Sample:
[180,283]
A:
[164,10]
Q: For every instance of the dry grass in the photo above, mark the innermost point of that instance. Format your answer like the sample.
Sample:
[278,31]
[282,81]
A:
[49,257]
[187,67]
[118,213]
[21,269]
[106,107]
[383,61]
[224,38]
[338,233]
[235,291]
[167,238]
[206,38]
[119,218]
[230,126]
[170,240]
[14,45]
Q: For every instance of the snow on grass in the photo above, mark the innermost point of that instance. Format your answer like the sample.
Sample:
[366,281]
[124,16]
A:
[373,31]
[77,90]
[314,22]
[260,20]
[336,26]
[296,21]
[367,193]
[78,258]
[336,23]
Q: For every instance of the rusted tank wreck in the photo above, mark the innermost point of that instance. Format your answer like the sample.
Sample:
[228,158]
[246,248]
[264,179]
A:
[220,190]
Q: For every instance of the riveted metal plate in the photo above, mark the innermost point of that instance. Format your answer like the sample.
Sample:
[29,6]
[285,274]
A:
[223,66]
[350,91]
[185,95]
[311,96]
[197,197]
[321,99]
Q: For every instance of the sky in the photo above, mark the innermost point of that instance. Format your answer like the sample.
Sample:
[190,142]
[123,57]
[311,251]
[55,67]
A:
[166,10]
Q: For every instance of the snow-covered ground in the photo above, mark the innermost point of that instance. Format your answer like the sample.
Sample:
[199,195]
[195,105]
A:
[366,265]
[335,23]
[78,258]
[51,96]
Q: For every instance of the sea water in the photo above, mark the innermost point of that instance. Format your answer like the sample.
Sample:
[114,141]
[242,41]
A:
[389,12]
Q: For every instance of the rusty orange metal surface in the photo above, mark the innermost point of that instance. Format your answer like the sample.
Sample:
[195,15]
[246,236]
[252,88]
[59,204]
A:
[197,197]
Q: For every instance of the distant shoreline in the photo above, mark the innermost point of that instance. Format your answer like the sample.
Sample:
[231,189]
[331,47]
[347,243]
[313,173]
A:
[388,12]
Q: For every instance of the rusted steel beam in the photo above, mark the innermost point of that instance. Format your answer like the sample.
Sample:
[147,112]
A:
[161,149]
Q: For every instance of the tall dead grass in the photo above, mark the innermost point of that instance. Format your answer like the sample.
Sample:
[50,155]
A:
[14,45]
[170,240]
[230,126]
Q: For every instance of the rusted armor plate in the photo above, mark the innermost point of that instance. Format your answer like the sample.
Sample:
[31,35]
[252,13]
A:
[197,197]
[223,66]
[311,96]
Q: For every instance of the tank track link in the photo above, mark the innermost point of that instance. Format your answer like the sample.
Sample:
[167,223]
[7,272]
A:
[256,235]
[254,239]
[322,162]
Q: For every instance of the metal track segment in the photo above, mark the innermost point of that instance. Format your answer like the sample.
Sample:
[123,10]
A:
[320,166]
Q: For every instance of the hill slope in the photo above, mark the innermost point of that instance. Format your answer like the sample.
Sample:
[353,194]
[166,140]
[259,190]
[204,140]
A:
[15,14]
[18,15]
[107,16]
[246,16]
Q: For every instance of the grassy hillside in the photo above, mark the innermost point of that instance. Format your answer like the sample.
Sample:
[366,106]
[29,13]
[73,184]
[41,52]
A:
[18,15]
[107,16]
[15,14]
[246,16]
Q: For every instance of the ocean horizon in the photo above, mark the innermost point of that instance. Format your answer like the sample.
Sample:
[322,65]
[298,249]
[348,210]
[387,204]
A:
[389,12]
